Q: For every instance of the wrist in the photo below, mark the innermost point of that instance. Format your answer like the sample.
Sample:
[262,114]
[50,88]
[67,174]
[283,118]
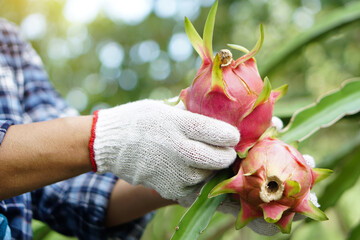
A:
[107,133]
[81,127]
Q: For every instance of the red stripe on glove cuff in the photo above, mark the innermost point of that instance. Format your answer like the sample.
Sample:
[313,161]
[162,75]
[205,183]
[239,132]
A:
[91,142]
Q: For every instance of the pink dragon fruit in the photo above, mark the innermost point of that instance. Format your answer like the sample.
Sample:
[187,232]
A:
[273,182]
[229,90]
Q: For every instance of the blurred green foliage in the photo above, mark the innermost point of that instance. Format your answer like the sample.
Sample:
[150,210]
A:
[82,60]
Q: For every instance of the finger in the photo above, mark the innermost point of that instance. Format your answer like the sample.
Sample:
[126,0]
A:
[209,130]
[204,156]
[230,207]
[191,181]
[309,160]
[260,226]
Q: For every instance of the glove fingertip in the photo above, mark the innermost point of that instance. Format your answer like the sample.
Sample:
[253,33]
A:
[227,135]
[260,226]
[309,160]
[277,123]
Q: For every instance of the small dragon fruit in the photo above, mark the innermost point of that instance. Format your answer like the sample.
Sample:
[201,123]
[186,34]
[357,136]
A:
[273,182]
[229,90]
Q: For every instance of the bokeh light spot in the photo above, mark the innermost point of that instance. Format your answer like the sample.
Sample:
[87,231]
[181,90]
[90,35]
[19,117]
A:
[58,49]
[128,79]
[110,73]
[165,8]
[207,3]
[94,84]
[180,47]
[303,18]
[111,54]
[188,8]
[145,51]
[160,68]
[77,98]
[131,12]
[313,5]
[81,11]
[33,26]
[79,41]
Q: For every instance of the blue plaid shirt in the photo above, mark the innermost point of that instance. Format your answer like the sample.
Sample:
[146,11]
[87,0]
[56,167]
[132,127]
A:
[75,207]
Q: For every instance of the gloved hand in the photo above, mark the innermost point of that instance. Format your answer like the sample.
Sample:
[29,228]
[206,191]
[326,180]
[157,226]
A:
[161,147]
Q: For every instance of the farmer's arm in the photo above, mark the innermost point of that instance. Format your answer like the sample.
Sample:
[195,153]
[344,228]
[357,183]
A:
[128,202]
[37,154]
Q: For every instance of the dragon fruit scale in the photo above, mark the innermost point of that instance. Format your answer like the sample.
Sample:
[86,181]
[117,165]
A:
[273,182]
[229,90]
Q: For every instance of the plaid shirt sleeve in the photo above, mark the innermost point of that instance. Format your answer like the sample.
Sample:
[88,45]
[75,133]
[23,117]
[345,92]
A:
[75,206]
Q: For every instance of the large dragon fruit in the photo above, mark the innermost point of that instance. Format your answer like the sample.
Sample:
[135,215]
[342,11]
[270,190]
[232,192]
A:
[273,182]
[229,90]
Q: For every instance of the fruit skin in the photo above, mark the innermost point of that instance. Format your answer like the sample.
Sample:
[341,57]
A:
[273,182]
[228,90]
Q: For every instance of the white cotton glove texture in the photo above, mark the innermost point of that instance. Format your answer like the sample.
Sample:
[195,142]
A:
[162,147]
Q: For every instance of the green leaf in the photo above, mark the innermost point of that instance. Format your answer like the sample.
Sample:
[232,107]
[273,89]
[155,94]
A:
[320,174]
[40,230]
[209,30]
[222,188]
[313,212]
[217,81]
[239,48]
[194,37]
[157,228]
[198,216]
[343,152]
[285,109]
[293,186]
[281,91]
[324,112]
[330,22]
[354,233]
[346,178]
[265,93]
[172,103]
[255,50]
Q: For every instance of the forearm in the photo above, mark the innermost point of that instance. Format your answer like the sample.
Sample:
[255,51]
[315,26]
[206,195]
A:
[128,202]
[37,154]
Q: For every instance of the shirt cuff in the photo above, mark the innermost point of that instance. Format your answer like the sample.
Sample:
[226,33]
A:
[4,125]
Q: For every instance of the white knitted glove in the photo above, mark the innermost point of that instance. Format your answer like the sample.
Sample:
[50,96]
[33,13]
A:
[161,147]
